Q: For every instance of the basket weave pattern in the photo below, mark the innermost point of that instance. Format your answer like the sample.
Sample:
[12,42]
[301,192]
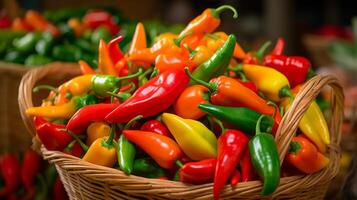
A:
[84,180]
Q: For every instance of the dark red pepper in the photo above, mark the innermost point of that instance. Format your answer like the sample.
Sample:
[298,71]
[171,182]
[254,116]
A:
[88,114]
[155,126]
[198,172]
[231,146]
[246,167]
[74,149]
[114,51]
[52,136]
[153,97]
[59,193]
[94,19]
[236,177]
[10,171]
[5,21]
[30,168]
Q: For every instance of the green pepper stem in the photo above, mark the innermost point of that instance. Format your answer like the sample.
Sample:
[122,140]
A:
[311,73]
[70,145]
[76,138]
[282,111]
[113,94]
[295,147]
[220,9]
[257,127]
[220,124]
[131,122]
[286,92]
[213,36]
[132,88]
[178,163]
[261,51]
[148,71]
[154,73]
[242,76]
[211,87]
[276,108]
[45,87]
[178,40]
[138,73]
[109,141]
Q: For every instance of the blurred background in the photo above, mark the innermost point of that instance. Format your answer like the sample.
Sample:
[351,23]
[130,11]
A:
[325,31]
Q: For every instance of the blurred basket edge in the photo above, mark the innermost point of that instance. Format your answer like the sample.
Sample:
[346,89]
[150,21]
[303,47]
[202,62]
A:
[84,180]
[12,129]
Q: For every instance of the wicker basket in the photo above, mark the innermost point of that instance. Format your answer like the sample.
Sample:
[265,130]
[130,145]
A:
[84,180]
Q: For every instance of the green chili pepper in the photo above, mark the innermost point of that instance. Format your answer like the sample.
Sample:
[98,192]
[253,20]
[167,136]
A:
[148,168]
[36,59]
[63,15]
[102,84]
[67,52]
[218,63]
[27,43]
[14,57]
[9,35]
[85,100]
[67,33]
[265,159]
[244,119]
[127,150]
[100,33]
[85,45]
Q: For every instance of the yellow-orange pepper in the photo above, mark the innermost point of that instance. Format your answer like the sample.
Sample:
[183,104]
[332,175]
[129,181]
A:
[97,130]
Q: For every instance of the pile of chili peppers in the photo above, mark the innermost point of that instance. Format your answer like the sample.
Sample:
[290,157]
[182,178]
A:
[29,179]
[193,107]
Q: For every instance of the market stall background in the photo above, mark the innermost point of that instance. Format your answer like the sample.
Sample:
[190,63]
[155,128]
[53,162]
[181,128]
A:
[310,29]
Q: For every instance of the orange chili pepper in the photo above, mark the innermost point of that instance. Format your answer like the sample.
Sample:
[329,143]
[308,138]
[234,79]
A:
[216,40]
[85,68]
[202,54]
[105,64]
[139,39]
[20,25]
[186,105]
[77,26]
[164,62]
[39,23]
[208,21]
[305,157]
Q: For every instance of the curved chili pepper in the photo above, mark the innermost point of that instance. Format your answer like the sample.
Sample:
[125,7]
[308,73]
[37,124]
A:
[147,167]
[279,47]
[105,63]
[139,39]
[186,105]
[201,55]
[218,63]
[189,40]
[152,98]
[114,51]
[304,156]
[88,114]
[30,168]
[79,85]
[39,23]
[162,149]
[96,130]
[208,21]
[9,169]
[155,126]
[198,172]
[246,167]
[164,62]
[85,68]
[265,159]
[194,138]
[235,178]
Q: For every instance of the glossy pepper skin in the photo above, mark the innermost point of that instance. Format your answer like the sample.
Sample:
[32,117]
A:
[265,159]
[187,103]
[218,39]
[88,114]
[246,167]
[235,178]
[208,21]
[272,83]
[97,130]
[304,156]
[244,119]
[147,167]
[97,18]
[139,39]
[198,172]
[155,126]
[85,68]
[218,63]
[313,123]
[162,149]
[194,138]
[152,98]
[231,146]
[114,51]
[164,62]
[105,63]
[201,55]
[30,168]
[51,135]
[9,169]
[64,111]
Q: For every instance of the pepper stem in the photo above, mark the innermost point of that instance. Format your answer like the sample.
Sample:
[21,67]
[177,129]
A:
[211,87]
[76,138]
[131,122]
[261,51]
[216,12]
[286,92]
[220,124]
[113,94]
[257,127]
[138,73]
[242,76]
[178,40]
[295,147]
[213,36]
[109,141]
[178,163]
[154,73]
[45,87]
[311,73]
[148,71]
[276,108]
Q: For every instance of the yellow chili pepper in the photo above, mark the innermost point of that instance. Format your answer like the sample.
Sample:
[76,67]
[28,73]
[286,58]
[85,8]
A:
[272,83]
[80,84]
[202,54]
[195,139]
[97,130]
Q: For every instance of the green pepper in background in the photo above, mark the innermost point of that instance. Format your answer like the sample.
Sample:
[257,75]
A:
[86,46]
[27,43]
[100,33]
[7,35]
[14,57]
[148,168]
[127,30]
[63,15]
[67,33]
[36,59]
[3,48]
[45,44]
[153,28]
[87,34]
[90,59]
[66,52]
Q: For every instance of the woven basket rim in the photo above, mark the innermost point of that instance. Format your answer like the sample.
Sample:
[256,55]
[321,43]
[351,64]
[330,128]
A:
[284,135]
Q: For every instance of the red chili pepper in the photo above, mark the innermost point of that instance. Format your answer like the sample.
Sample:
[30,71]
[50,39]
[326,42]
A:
[114,51]
[74,149]
[231,146]
[5,21]
[246,167]
[198,172]
[10,171]
[256,58]
[94,19]
[19,24]
[59,193]
[249,84]
[155,126]
[236,177]
[164,150]
[279,47]
[30,168]
[155,96]
[52,136]
[88,114]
